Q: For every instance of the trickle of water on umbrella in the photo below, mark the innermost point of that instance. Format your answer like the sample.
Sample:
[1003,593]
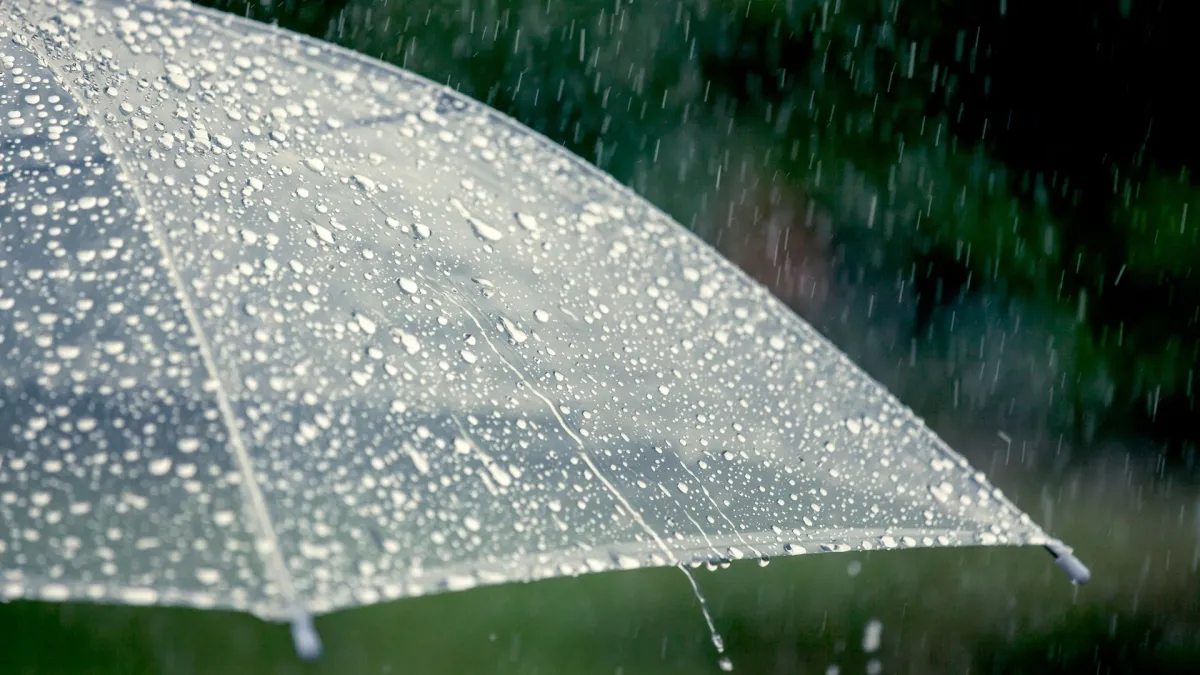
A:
[718,642]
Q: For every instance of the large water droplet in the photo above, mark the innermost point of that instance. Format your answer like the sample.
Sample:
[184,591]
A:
[527,221]
[485,231]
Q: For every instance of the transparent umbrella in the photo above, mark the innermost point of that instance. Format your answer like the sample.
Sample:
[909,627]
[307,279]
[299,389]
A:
[286,330]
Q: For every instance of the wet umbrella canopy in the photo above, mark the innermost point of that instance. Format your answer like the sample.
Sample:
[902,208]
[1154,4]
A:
[287,330]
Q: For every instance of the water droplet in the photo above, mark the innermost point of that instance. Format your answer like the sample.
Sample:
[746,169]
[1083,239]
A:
[872,636]
[942,491]
[139,596]
[161,466]
[1066,560]
[485,231]
[208,576]
[365,323]
[527,221]
[55,592]
[178,79]
[67,352]
[324,233]
[518,336]
[459,582]
[410,342]
[408,285]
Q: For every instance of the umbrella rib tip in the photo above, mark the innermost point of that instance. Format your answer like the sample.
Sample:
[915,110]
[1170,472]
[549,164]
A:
[305,637]
[1067,562]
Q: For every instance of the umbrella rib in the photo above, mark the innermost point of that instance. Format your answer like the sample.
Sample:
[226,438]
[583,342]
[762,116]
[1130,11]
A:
[307,641]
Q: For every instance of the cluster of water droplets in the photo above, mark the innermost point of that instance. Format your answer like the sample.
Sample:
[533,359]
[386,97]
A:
[283,325]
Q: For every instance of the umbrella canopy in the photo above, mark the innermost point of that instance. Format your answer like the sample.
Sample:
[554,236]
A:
[285,330]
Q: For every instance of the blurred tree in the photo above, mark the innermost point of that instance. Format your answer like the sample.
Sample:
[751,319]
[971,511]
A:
[1082,101]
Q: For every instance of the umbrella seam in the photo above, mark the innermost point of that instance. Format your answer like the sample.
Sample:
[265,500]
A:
[583,453]
[273,558]
[717,507]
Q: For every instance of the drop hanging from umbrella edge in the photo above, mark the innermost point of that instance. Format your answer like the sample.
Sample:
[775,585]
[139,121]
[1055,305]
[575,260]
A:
[304,635]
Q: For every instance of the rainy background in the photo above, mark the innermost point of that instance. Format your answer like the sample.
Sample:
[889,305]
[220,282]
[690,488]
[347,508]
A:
[985,204]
